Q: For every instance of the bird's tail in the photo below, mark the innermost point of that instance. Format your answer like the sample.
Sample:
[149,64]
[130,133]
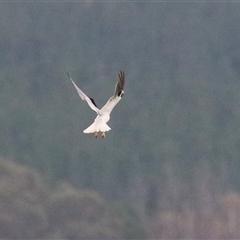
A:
[97,126]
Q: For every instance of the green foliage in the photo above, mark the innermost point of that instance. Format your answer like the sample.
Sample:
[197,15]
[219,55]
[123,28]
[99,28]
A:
[181,99]
[23,195]
[127,221]
[31,210]
[80,214]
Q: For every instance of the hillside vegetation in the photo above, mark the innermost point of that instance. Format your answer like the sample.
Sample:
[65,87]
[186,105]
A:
[174,145]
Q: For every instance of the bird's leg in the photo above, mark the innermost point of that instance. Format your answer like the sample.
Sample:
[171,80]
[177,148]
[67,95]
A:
[96,134]
[103,135]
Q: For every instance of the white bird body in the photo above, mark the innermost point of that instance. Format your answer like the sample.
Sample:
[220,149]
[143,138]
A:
[99,125]
[103,114]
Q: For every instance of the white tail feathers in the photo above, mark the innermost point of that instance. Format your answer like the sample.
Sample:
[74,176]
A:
[97,126]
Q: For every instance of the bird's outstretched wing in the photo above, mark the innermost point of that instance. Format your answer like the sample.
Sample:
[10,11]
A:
[84,97]
[120,84]
[118,93]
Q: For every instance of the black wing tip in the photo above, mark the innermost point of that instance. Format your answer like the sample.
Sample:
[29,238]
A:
[120,84]
[92,100]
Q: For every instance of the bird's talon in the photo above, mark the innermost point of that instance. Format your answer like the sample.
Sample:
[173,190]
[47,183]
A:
[103,135]
[95,134]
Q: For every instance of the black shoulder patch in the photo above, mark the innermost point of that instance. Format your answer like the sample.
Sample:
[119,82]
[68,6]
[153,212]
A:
[92,100]
[120,94]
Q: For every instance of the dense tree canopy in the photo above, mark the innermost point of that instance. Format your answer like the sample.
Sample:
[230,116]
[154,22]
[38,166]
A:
[178,121]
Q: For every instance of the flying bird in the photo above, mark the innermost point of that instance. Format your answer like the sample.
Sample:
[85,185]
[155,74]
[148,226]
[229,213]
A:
[103,114]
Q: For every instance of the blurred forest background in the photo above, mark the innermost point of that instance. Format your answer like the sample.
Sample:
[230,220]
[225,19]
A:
[170,167]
